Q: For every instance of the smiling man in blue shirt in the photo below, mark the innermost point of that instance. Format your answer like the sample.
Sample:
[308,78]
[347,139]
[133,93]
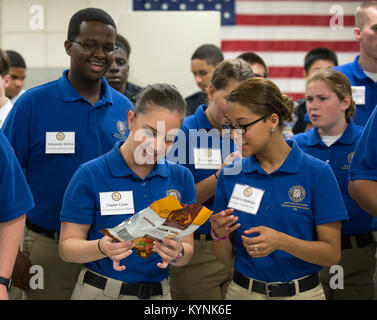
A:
[58,126]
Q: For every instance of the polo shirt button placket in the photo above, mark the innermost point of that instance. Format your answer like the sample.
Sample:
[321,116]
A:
[143,184]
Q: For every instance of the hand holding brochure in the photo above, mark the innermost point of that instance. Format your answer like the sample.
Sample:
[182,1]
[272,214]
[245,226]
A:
[166,217]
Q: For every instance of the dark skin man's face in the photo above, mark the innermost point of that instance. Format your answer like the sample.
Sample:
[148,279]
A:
[87,64]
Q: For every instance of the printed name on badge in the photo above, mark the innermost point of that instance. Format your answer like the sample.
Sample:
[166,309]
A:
[60,142]
[206,158]
[245,198]
[358,94]
[117,202]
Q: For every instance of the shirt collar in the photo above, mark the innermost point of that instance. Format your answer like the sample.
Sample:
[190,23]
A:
[69,94]
[4,110]
[348,136]
[119,168]
[201,118]
[292,163]
[357,70]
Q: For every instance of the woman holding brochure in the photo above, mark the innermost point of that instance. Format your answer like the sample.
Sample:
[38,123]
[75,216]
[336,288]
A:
[283,212]
[108,190]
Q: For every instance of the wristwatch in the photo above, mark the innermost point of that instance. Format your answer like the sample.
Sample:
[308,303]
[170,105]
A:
[180,255]
[6,282]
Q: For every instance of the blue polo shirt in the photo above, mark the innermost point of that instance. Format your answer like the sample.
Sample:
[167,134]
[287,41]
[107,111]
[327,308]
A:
[357,77]
[110,173]
[57,107]
[15,196]
[374,223]
[196,122]
[364,162]
[317,202]
[339,156]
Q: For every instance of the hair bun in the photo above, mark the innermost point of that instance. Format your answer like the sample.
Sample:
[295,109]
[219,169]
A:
[288,107]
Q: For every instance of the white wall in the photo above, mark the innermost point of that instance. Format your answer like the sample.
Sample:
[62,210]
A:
[164,42]
[161,42]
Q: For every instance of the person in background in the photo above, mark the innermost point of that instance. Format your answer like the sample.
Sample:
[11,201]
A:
[117,76]
[203,63]
[280,217]
[5,104]
[54,128]
[17,74]
[316,59]
[204,277]
[334,139]
[362,72]
[256,63]
[12,211]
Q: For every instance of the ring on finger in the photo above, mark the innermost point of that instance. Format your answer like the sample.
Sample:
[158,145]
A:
[256,247]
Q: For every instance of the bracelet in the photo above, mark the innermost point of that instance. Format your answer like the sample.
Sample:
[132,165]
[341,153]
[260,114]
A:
[215,174]
[180,255]
[99,248]
[216,237]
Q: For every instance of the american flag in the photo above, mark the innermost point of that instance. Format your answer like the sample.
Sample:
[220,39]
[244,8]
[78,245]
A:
[280,31]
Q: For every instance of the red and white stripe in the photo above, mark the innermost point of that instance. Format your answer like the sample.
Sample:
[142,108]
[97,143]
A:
[282,32]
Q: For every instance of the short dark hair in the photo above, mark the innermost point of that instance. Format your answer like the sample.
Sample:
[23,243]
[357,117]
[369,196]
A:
[4,63]
[319,54]
[15,59]
[252,57]
[88,14]
[121,42]
[160,94]
[210,53]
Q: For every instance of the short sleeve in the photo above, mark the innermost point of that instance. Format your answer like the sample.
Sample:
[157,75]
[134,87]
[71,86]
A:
[15,196]
[327,201]
[189,195]
[364,162]
[221,200]
[17,127]
[79,202]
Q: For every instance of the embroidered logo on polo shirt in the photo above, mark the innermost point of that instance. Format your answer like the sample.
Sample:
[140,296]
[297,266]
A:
[296,193]
[116,196]
[175,193]
[122,129]
[349,159]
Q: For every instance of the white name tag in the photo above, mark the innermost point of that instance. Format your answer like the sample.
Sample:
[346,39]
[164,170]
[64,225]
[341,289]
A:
[207,158]
[358,94]
[245,198]
[60,142]
[117,202]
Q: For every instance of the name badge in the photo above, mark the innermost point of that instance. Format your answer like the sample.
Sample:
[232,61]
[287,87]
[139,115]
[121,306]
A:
[358,94]
[245,198]
[60,142]
[117,202]
[207,158]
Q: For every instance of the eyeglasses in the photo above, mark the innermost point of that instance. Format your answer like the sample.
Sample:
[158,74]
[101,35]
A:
[94,46]
[228,127]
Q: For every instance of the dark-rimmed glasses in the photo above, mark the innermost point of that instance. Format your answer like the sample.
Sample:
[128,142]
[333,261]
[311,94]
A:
[228,127]
[94,46]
